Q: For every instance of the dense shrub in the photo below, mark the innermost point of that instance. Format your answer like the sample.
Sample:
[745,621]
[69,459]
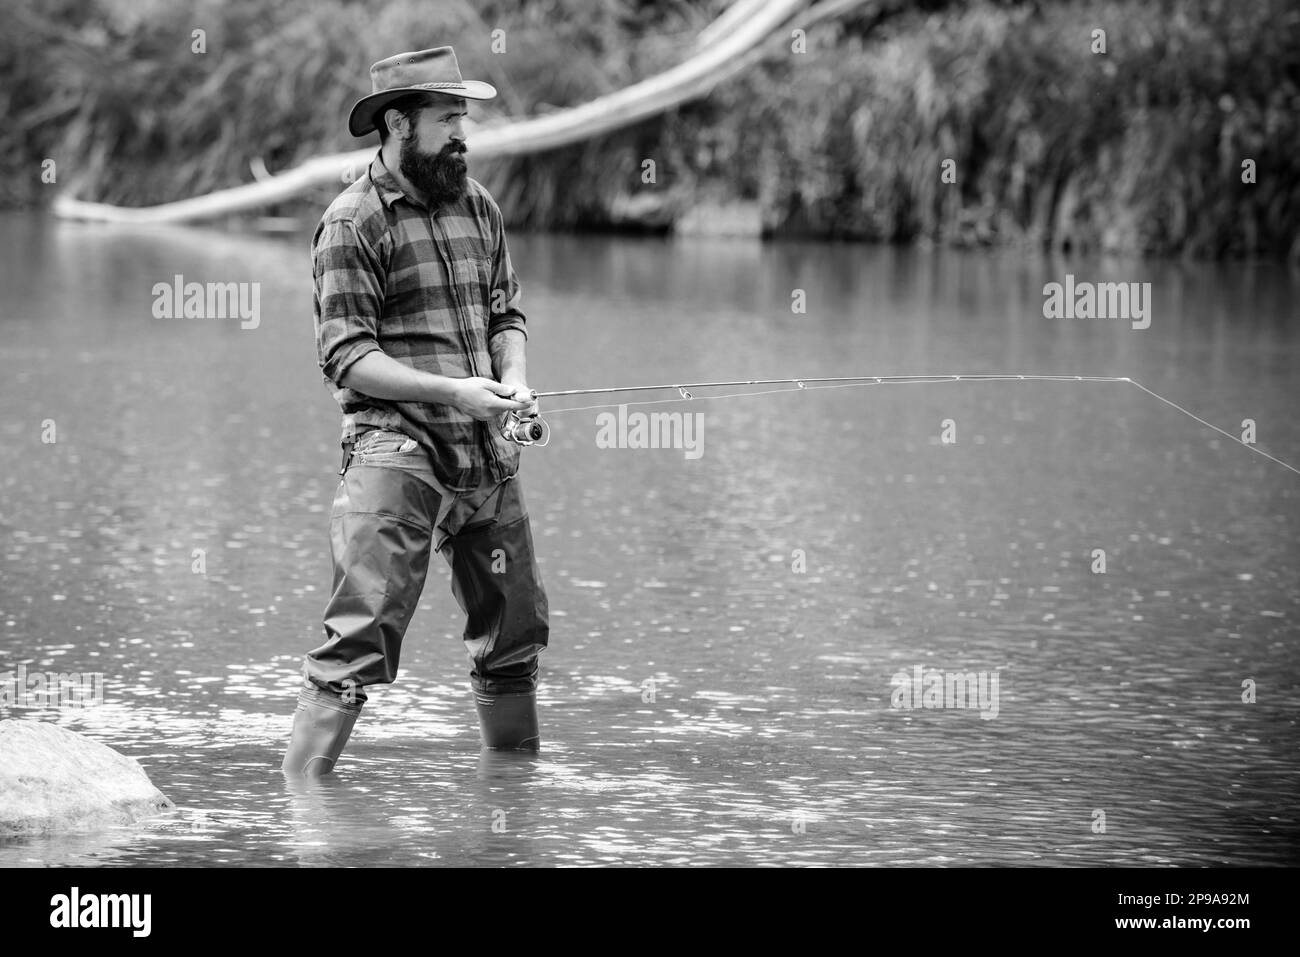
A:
[1139,148]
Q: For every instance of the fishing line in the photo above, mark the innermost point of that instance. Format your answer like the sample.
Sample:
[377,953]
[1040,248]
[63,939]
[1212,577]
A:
[1253,448]
[843,382]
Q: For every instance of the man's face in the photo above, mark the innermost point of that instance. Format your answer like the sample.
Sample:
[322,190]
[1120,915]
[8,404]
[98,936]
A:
[432,154]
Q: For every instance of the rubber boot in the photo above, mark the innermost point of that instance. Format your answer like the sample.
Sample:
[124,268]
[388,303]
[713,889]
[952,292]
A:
[508,722]
[320,730]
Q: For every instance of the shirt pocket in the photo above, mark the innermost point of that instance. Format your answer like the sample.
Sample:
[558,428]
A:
[480,272]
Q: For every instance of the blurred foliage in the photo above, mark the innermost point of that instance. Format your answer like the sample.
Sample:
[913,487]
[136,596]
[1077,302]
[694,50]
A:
[1139,148]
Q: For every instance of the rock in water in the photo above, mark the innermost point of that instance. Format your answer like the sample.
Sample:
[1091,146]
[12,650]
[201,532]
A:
[53,779]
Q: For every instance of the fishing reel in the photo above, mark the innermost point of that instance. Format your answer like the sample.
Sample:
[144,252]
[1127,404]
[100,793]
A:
[527,429]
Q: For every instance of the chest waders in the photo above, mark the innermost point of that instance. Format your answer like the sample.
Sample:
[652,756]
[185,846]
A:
[389,514]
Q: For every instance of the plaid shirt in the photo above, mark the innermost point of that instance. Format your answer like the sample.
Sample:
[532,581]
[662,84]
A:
[429,289]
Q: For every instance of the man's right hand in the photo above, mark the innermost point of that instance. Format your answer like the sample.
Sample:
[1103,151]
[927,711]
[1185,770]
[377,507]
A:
[484,399]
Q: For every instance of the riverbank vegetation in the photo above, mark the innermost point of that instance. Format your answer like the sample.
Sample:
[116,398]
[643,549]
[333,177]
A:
[1182,137]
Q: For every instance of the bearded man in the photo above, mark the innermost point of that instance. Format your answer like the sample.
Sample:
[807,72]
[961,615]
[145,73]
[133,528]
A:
[420,336]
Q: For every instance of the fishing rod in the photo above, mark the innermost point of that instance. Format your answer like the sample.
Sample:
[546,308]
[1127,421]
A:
[531,429]
[685,388]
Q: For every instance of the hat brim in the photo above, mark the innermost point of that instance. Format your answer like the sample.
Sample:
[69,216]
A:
[360,120]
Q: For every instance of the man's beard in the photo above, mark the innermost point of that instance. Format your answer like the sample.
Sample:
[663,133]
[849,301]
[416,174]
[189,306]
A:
[443,178]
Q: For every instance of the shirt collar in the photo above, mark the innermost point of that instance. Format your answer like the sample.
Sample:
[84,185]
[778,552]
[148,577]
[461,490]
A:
[386,184]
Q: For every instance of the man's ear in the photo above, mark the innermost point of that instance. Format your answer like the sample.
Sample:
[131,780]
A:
[398,123]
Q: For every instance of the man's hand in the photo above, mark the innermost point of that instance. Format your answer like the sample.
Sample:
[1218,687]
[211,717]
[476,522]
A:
[485,399]
[521,392]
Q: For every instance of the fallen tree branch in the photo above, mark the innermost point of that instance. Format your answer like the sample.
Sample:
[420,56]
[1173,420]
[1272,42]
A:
[747,24]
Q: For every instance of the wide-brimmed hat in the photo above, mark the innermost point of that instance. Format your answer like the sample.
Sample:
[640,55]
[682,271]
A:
[425,71]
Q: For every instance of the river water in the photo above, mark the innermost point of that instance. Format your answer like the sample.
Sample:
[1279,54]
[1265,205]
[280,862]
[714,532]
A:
[725,625]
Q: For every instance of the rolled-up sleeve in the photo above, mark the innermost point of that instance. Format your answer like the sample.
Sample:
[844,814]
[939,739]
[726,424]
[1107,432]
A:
[349,297]
[506,294]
